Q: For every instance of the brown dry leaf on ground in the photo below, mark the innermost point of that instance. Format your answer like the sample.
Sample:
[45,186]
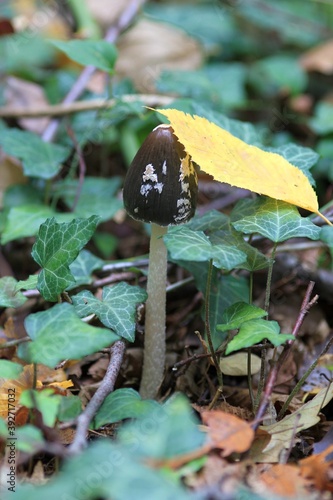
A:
[10,174]
[106,12]
[319,469]
[55,379]
[320,58]
[41,18]
[21,94]
[150,47]
[228,432]
[284,480]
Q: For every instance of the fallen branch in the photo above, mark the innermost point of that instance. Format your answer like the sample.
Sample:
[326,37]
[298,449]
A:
[107,386]
[64,108]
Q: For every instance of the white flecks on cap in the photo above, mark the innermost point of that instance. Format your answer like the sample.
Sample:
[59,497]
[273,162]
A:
[149,174]
[159,187]
[184,207]
[145,188]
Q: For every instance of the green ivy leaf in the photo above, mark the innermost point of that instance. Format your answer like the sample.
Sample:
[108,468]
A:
[271,74]
[83,267]
[28,284]
[175,431]
[122,404]
[9,295]
[70,408]
[97,197]
[99,53]
[45,401]
[3,428]
[59,333]
[322,122]
[276,220]
[29,439]
[117,308]
[103,468]
[225,291]
[256,330]
[210,221]
[234,316]
[185,244]
[8,369]
[245,256]
[56,247]
[25,220]
[39,159]
[204,84]
[326,235]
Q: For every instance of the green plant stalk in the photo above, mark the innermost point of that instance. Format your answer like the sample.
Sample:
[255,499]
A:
[86,25]
[249,379]
[269,277]
[261,383]
[154,349]
[251,287]
[207,324]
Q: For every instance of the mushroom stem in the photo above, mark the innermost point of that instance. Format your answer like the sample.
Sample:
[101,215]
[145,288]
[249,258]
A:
[154,351]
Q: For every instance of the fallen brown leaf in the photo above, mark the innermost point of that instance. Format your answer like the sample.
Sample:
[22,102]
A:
[228,432]
[319,469]
[319,58]
[284,480]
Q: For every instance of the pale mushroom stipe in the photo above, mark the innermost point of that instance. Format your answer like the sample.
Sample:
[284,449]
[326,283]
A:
[161,188]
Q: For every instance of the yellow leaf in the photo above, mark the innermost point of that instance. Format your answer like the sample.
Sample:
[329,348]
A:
[229,159]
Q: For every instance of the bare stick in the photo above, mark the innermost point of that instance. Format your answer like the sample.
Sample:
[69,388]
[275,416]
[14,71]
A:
[272,376]
[107,386]
[81,106]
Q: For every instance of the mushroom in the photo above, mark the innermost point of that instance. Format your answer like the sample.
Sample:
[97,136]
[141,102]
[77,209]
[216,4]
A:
[161,188]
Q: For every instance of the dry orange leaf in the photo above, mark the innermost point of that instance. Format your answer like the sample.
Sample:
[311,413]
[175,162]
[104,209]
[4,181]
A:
[229,159]
[228,432]
[318,469]
[284,480]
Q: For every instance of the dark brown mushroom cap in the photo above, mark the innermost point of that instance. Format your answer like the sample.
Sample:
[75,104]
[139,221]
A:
[161,185]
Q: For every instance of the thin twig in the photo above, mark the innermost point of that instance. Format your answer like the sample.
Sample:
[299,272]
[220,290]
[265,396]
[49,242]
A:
[107,386]
[272,376]
[64,109]
[14,342]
